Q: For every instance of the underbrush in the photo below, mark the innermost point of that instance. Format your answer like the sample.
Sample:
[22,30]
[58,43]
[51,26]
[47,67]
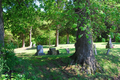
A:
[8,62]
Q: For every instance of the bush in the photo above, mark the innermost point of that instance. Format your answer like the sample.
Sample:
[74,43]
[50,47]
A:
[9,59]
[1,64]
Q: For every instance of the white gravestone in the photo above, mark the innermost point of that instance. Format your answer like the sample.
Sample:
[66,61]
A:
[40,50]
[33,45]
[109,44]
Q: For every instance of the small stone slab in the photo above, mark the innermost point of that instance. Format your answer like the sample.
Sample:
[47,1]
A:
[68,51]
[53,51]
[108,52]
[33,45]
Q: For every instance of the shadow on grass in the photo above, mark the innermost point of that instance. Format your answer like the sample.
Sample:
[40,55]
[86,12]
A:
[52,67]
[110,63]
[47,68]
[112,57]
[31,48]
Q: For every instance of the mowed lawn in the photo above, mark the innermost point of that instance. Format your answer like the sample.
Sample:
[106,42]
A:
[58,67]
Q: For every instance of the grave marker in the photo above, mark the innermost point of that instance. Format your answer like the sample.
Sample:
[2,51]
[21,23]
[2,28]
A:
[40,50]
[68,51]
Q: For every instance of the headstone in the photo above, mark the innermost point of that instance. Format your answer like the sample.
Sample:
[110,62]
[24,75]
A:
[109,44]
[68,51]
[53,51]
[95,49]
[108,51]
[40,50]
[33,45]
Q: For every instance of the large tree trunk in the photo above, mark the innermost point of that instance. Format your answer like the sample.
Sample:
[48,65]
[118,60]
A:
[30,36]
[84,46]
[1,27]
[67,38]
[23,40]
[57,36]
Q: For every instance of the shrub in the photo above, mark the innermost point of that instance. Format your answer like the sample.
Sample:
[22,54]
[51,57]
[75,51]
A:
[9,59]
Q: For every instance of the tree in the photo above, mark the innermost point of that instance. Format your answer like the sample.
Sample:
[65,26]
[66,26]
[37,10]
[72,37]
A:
[24,14]
[84,44]
[68,30]
[30,37]
[92,16]
[59,6]
[54,10]
[1,27]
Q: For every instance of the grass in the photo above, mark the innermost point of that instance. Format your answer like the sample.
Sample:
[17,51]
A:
[57,67]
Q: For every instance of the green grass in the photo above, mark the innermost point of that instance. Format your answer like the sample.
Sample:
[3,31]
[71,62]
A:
[57,67]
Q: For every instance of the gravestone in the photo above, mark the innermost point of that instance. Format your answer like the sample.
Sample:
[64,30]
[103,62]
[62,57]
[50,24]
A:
[33,45]
[53,51]
[95,49]
[68,51]
[108,51]
[109,45]
[40,50]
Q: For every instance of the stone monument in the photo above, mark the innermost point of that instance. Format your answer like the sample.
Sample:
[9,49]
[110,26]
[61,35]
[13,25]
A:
[40,50]
[53,51]
[33,45]
[68,51]
[109,45]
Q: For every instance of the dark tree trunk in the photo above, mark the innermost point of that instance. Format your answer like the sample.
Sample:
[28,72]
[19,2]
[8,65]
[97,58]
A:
[84,46]
[30,36]
[57,36]
[67,38]
[1,27]
[23,40]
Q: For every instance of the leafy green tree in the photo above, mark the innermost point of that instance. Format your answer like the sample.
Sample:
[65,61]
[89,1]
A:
[23,18]
[54,10]
[91,16]
[67,30]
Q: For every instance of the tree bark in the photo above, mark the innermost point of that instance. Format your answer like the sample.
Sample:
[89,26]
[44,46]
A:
[30,36]
[84,54]
[67,38]
[1,27]
[57,36]
[23,41]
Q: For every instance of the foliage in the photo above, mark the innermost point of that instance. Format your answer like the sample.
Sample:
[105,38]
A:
[9,57]
[43,36]
[2,63]
[63,39]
